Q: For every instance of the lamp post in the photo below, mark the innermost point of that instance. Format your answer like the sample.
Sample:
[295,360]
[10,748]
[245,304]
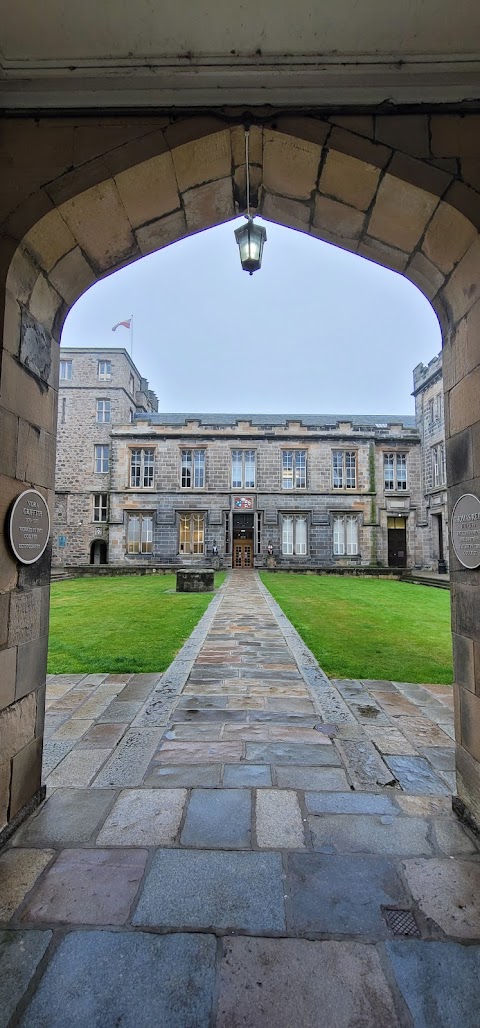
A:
[250,237]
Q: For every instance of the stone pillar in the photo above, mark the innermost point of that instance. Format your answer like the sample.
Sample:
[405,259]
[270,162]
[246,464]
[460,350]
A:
[462,411]
[28,377]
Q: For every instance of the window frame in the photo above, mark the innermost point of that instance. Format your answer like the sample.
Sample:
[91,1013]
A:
[100,458]
[243,451]
[67,363]
[295,454]
[107,409]
[145,544]
[399,483]
[145,481]
[189,546]
[100,508]
[347,457]
[194,451]
[104,375]
[340,539]
[298,549]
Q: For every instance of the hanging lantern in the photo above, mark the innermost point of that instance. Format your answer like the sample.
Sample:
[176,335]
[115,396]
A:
[250,237]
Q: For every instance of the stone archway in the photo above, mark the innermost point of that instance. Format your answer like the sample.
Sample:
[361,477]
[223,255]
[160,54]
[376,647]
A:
[99,195]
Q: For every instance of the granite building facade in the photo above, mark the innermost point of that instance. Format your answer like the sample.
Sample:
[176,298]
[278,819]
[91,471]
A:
[137,487]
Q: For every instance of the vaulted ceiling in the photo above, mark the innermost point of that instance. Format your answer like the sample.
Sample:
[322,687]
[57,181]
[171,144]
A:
[67,54]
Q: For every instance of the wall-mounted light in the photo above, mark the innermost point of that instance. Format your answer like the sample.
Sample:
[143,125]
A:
[250,237]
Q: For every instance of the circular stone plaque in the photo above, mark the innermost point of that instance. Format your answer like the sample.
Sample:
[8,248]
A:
[466,530]
[29,526]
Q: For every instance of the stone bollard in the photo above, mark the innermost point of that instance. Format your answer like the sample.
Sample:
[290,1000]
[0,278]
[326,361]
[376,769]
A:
[195,580]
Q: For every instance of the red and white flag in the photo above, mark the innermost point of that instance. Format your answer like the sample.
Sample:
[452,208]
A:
[126,324]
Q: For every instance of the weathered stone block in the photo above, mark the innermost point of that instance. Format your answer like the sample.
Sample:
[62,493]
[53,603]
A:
[8,448]
[463,402]
[455,135]
[25,614]
[149,190]
[290,165]
[22,275]
[8,662]
[199,580]
[17,726]
[49,240]
[408,133]
[202,160]
[470,722]
[44,303]
[349,180]
[98,221]
[26,775]
[255,144]
[162,232]
[209,204]
[12,325]
[35,346]
[401,213]
[448,237]
[286,212]
[72,275]
[338,220]
[26,395]
[425,275]
[31,666]
[463,289]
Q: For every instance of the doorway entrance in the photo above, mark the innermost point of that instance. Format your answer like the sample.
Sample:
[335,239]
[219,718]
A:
[242,541]
[397,542]
[98,552]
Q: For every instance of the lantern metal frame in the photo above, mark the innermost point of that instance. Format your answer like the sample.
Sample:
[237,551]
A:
[250,237]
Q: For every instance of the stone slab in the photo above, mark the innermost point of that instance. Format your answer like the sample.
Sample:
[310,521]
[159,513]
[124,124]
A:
[293,753]
[69,816]
[77,769]
[349,803]
[341,894]
[116,978]
[71,730]
[335,983]
[278,822]
[207,889]
[88,887]
[439,982]
[416,776]
[364,765]
[249,775]
[367,833]
[332,779]
[129,761]
[101,736]
[20,954]
[424,806]
[119,713]
[19,870]
[440,757]
[447,891]
[53,753]
[391,741]
[218,818]
[452,838]
[188,776]
[144,817]
[202,752]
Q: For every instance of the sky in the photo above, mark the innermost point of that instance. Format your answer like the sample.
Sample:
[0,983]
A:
[317,330]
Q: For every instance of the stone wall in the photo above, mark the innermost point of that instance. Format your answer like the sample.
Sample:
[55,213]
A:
[429,413]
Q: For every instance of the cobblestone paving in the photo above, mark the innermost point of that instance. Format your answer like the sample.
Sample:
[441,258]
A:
[219,843]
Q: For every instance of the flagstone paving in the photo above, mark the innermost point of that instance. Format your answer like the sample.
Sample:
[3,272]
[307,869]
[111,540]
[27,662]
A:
[242,794]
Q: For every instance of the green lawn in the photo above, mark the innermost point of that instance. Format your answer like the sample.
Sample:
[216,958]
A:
[368,627]
[122,624]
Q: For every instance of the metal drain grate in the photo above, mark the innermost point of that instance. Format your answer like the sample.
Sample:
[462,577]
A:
[401,922]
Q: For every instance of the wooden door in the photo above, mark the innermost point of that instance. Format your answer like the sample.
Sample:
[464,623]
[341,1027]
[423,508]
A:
[243,553]
[397,548]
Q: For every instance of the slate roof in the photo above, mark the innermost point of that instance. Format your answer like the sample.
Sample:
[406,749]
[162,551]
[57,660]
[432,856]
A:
[359,421]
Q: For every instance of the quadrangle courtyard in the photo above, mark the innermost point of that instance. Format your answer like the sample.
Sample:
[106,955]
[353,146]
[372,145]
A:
[241,841]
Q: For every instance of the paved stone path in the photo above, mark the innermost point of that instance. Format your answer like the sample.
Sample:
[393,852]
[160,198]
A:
[220,846]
